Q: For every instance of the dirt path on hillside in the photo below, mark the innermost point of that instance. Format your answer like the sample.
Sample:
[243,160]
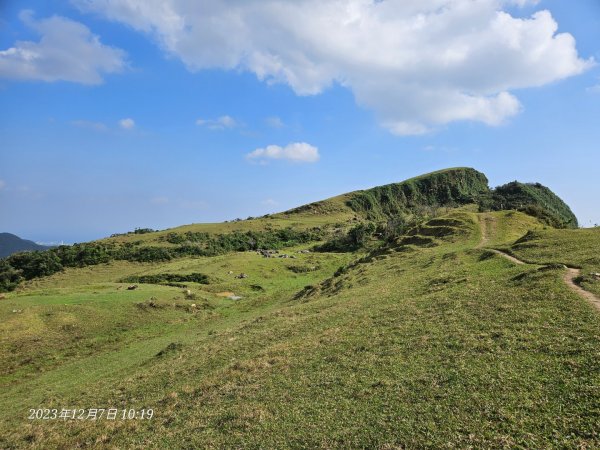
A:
[486,222]
[569,276]
[507,256]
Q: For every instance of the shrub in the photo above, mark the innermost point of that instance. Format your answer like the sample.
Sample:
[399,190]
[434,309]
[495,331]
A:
[9,276]
[167,278]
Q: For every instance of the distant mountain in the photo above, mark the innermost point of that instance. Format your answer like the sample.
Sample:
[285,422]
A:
[10,243]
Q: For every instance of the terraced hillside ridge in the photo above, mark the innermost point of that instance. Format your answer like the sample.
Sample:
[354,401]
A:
[405,332]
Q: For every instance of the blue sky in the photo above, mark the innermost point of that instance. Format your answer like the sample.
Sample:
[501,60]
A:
[115,117]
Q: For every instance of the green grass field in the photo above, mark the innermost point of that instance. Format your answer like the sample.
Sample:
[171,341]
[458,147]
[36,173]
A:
[431,342]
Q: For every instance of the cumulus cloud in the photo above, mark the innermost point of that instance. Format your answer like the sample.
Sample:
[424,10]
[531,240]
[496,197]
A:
[220,123]
[523,2]
[127,124]
[67,51]
[298,152]
[417,64]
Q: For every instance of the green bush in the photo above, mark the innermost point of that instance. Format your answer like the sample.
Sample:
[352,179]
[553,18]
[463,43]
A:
[167,278]
[349,241]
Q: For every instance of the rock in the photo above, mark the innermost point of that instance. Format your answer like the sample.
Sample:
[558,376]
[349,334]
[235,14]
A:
[132,287]
[234,297]
[242,275]
[193,305]
[230,272]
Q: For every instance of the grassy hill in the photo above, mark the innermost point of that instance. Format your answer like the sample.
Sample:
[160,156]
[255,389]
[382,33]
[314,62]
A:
[393,326]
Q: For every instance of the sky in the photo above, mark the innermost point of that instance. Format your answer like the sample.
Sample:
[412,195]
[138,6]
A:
[119,114]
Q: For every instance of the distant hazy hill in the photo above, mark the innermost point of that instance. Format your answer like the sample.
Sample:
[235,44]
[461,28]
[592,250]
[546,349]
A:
[10,243]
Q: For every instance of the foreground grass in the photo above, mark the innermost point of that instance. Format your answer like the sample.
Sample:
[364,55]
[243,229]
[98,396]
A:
[419,347]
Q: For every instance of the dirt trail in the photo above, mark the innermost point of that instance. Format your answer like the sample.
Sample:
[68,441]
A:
[485,222]
[507,256]
[569,276]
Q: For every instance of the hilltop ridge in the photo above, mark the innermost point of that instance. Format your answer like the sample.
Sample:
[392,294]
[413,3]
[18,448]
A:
[389,208]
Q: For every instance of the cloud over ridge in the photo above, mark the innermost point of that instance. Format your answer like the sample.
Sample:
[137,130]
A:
[417,64]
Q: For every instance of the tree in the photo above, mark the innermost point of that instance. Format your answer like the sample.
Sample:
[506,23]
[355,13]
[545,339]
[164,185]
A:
[9,276]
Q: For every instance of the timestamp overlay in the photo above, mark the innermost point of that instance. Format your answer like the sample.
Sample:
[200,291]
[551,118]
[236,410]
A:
[90,414]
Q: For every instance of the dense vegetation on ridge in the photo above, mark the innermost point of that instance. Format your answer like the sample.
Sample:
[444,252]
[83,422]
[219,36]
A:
[535,200]
[451,187]
[460,186]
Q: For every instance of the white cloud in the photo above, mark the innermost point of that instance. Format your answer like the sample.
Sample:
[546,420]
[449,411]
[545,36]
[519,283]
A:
[90,125]
[417,64]
[299,152]
[127,124]
[220,123]
[523,3]
[67,51]
[275,122]
[269,202]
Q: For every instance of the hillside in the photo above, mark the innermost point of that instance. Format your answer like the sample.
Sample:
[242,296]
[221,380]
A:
[389,318]
[10,243]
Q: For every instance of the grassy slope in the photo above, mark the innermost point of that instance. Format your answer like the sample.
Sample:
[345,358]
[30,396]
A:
[577,248]
[504,227]
[326,213]
[416,347]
